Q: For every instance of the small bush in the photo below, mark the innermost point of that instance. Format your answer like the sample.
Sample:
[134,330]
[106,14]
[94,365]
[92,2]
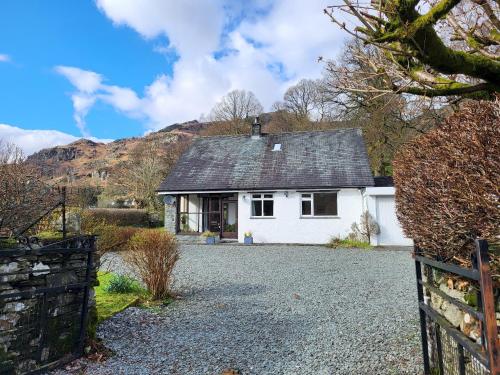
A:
[365,230]
[119,216]
[447,183]
[342,243]
[154,254]
[121,284]
[207,233]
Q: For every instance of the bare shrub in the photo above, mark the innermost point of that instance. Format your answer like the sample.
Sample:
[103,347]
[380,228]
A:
[447,182]
[366,229]
[154,253]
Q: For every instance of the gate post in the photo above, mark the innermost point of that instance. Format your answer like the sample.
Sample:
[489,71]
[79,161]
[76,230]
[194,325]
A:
[491,341]
[423,318]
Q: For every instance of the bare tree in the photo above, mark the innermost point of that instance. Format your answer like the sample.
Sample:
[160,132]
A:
[387,120]
[432,48]
[24,196]
[302,99]
[149,163]
[233,114]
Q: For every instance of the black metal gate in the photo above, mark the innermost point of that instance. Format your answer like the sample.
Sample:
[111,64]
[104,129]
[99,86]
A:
[50,328]
[446,349]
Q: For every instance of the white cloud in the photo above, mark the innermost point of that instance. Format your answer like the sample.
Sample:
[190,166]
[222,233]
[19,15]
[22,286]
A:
[5,58]
[32,141]
[268,51]
[84,80]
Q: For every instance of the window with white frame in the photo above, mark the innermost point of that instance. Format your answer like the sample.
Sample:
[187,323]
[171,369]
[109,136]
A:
[262,205]
[319,204]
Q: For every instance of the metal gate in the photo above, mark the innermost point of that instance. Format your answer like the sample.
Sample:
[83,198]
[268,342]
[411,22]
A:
[50,328]
[446,349]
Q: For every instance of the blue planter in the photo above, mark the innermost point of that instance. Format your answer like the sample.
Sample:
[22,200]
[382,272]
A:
[210,241]
[248,240]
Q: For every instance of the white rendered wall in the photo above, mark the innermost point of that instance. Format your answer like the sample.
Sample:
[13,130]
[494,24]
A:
[287,226]
[381,204]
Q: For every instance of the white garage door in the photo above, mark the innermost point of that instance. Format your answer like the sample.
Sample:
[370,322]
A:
[390,230]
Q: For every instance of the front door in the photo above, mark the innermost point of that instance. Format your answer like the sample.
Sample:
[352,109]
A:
[220,215]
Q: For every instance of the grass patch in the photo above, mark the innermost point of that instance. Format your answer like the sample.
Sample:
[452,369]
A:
[338,243]
[110,303]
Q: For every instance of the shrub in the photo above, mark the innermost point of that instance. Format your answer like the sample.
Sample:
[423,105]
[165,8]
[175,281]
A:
[119,216]
[365,230]
[121,284]
[339,243]
[207,233]
[447,182]
[154,254]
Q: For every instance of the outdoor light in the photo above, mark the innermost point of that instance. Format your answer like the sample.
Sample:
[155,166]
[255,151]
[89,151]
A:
[286,194]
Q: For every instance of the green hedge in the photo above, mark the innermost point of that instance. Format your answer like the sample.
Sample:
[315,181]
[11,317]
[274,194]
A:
[120,216]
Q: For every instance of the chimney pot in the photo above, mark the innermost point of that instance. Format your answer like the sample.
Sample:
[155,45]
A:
[256,128]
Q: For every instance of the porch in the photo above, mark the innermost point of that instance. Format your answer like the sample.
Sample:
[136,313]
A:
[197,213]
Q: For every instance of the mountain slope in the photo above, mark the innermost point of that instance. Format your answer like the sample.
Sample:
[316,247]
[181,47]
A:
[88,163]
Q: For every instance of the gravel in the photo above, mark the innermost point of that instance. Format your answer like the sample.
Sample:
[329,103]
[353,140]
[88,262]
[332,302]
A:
[274,310]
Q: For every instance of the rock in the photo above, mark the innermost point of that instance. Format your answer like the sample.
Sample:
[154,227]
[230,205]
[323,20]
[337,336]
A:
[40,269]
[14,307]
[452,313]
[452,292]
[436,301]
[9,267]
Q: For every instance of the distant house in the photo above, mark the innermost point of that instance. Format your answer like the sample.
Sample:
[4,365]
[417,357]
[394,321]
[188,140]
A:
[301,187]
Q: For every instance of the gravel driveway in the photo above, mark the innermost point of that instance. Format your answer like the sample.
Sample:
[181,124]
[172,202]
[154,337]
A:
[275,310]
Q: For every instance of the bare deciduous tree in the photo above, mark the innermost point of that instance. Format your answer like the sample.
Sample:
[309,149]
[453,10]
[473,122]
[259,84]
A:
[387,120]
[138,179]
[432,48]
[23,195]
[301,99]
[234,113]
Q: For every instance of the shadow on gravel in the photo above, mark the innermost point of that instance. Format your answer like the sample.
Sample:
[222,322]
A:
[229,290]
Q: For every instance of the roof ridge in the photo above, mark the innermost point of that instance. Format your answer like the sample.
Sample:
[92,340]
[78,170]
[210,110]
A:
[289,132]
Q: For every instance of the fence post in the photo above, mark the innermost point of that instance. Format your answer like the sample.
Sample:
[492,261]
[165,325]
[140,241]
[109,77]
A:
[63,203]
[86,292]
[491,341]
[423,318]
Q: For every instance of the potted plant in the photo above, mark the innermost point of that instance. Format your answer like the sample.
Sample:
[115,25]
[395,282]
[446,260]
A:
[210,237]
[248,238]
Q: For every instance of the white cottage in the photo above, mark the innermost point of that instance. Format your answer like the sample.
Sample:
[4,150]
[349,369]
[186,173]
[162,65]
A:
[301,187]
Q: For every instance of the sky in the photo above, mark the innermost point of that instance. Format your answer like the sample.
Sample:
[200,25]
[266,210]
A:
[110,69]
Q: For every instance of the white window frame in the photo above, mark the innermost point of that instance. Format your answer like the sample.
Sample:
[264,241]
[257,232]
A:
[310,198]
[261,197]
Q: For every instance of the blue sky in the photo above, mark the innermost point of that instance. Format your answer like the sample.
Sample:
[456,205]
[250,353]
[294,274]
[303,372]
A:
[110,69]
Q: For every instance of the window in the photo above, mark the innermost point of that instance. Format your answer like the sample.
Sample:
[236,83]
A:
[277,147]
[319,204]
[262,205]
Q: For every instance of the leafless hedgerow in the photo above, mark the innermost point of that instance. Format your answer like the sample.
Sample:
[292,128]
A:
[424,47]
[448,183]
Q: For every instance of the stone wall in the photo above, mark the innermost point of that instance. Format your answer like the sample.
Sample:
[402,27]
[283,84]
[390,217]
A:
[171,216]
[464,292]
[39,329]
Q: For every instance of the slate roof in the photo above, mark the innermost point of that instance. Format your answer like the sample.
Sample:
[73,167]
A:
[321,159]
[383,181]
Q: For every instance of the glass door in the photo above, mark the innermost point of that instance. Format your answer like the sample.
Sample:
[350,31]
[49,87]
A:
[229,219]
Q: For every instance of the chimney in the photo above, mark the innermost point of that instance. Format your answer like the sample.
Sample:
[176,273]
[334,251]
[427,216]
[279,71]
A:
[256,129]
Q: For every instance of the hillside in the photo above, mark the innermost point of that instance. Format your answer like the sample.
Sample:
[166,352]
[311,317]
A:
[88,163]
